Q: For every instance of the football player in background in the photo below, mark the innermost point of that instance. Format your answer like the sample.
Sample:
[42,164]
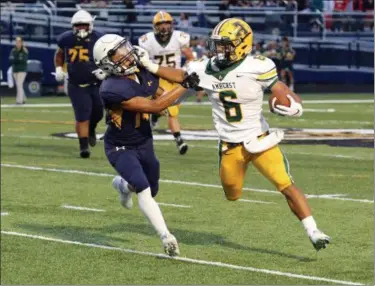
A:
[165,46]
[287,58]
[235,83]
[128,98]
[75,49]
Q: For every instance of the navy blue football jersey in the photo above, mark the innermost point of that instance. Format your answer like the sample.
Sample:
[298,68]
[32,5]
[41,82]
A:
[127,128]
[79,56]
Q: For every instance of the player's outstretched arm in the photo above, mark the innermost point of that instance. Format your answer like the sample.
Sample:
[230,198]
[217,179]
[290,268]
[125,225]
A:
[168,73]
[171,74]
[281,90]
[141,104]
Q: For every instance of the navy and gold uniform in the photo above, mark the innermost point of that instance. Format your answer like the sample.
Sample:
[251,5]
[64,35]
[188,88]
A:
[83,86]
[128,139]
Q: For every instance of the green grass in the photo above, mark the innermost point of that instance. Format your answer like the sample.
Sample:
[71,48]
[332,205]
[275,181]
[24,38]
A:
[247,234]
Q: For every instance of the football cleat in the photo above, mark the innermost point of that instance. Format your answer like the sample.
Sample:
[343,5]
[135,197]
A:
[182,148]
[120,185]
[84,153]
[92,138]
[319,239]
[170,245]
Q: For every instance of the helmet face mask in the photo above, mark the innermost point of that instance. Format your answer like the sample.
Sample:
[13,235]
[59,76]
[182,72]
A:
[116,55]
[231,41]
[124,57]
[163,26]
[163,31]
[81,30]
[224,50]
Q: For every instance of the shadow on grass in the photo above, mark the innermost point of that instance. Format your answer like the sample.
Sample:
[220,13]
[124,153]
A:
[102,235]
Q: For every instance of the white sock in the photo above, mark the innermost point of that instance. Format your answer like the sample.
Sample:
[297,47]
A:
[309,224]
[151,210]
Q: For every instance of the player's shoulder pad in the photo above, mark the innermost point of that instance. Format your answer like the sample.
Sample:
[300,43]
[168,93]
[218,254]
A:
[64,38]
[197,66]
[144,39]
[116,89]
[183,38]
[263,67]
[96,34]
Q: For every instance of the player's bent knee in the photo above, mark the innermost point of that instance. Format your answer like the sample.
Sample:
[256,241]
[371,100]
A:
[154,189]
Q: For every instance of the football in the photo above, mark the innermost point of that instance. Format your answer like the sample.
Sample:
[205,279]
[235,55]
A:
[282,99]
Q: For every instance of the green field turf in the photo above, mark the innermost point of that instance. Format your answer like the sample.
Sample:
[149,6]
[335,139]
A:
[257,241]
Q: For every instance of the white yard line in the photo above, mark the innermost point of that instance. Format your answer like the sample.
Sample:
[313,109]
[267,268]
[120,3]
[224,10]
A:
[37,168]
[196,145]
[173,205]
[4,214]
[316,101]
[81,208]
[185,259]
[255,201]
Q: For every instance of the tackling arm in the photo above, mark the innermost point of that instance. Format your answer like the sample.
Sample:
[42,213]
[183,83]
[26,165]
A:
[141,104]
[171,74]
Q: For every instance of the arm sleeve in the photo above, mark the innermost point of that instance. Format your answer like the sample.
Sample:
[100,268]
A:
[267,75]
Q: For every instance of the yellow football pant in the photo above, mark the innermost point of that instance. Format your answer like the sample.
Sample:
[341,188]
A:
[166,85]
[235,160]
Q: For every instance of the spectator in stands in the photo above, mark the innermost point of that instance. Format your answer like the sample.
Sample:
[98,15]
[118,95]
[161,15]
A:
[103,5]
[184,22]
[18,59]
[224,9]
[201,8]
[339,20]
[131,17]
[258,49]
[286,64]
[274,53]
[368,5]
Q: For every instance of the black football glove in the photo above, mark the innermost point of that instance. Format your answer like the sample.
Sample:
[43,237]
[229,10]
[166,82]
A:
[191,81]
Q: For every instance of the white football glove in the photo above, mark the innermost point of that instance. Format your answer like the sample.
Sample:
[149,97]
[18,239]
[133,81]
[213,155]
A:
[295,109]
[144,58]
[59,74]
[100,74]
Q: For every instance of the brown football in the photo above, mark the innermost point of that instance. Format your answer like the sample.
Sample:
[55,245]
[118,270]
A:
[281,99]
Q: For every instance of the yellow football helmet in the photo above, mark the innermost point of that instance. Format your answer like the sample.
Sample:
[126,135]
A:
[163,25]
[231,40]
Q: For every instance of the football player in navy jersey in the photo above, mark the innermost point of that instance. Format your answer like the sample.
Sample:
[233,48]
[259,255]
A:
[130,93]
[75,49]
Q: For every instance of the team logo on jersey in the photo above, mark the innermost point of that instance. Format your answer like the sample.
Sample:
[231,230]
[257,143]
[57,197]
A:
[149,82]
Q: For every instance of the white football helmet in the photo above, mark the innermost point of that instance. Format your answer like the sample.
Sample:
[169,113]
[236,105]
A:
[112,46]
[82,23]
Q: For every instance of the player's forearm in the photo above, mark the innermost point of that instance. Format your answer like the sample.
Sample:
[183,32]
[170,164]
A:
[171,74]
[59,58]
[164,101]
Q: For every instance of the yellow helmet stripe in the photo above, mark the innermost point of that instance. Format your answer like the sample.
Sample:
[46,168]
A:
[219,26]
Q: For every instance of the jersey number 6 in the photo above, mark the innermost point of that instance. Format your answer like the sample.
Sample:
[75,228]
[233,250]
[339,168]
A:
[233,111]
